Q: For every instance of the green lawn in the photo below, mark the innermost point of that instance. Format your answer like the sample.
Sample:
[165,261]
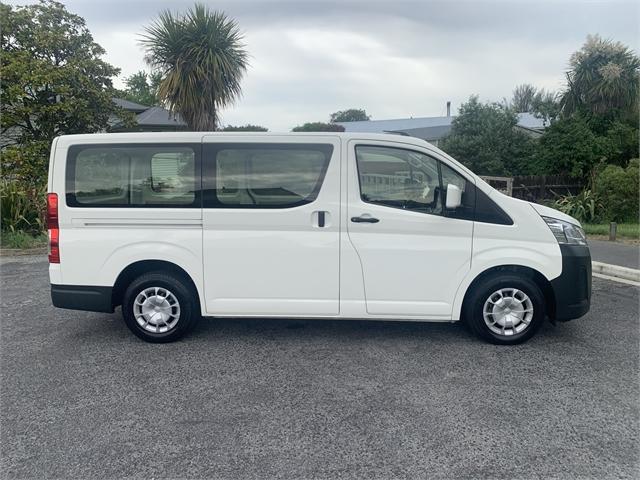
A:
[20,239]
[625,230]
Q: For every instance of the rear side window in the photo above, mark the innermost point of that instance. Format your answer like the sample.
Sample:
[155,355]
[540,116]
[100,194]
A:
[133,176]
[264,175]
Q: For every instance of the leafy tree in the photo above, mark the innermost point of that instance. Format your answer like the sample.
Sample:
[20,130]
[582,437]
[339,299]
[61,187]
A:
[523,98]
[350,115]
[569,146]
[543,104]
[603,79]
[546,105]
[620,142]
[142,87]
[202,60]
[618,188]
[245,128]
[54,82]
[318,127]
[484,137]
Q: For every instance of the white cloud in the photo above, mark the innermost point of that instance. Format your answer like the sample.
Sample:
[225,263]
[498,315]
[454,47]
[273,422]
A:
[395,59]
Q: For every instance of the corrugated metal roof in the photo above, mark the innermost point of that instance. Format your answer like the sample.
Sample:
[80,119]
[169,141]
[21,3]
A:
[128,105]
[428,128]
[158,116]
[378,126]
[528,120]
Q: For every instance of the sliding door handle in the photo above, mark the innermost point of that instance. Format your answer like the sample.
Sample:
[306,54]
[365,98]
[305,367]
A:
[363,219]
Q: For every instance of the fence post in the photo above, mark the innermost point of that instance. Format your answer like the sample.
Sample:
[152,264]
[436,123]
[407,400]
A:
[613,229]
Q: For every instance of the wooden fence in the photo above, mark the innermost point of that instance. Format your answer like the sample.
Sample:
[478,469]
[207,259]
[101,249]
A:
[535,188]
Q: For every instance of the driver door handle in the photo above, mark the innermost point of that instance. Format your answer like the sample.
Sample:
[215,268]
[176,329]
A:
[364,220]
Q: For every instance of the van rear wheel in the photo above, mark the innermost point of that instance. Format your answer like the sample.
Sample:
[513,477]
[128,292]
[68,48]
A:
[505,309]
[159,307]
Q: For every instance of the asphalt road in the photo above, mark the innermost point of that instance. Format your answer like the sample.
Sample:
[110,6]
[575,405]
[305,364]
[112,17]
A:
[615,253]
[81,397]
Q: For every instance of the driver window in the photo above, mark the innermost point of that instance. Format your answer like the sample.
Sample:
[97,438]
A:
[399,178]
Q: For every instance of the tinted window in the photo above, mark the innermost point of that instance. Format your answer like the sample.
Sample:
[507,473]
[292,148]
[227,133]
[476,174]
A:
[101,177]
[265,176]
[132,176]
[399,178]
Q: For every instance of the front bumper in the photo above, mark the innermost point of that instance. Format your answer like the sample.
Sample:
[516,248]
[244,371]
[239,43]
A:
[572,289]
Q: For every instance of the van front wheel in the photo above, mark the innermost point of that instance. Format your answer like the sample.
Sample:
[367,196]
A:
[505,309]
[158,307]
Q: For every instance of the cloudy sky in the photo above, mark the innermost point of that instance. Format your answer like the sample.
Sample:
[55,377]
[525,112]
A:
[396,59]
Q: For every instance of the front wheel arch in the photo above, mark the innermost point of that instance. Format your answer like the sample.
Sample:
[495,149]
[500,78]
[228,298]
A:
[540,280]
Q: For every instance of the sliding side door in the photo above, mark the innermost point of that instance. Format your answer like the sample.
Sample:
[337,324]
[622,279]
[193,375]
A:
[271,225]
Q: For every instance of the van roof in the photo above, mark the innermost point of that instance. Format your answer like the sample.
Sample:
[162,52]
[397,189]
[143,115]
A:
[169,137]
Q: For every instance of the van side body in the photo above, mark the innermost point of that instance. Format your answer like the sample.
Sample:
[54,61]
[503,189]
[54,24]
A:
[341,226]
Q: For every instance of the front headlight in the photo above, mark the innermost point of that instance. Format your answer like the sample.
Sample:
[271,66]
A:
[566,232]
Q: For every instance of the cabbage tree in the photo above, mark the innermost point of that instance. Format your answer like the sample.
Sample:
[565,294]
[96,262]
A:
[202,59]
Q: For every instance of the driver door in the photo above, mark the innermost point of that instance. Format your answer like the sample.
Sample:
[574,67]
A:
[413,255]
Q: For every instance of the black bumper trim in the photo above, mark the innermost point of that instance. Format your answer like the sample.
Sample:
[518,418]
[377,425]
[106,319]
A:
[572,289]
[82,297]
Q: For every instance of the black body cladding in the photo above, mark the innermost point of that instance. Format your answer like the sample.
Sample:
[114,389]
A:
[572,289]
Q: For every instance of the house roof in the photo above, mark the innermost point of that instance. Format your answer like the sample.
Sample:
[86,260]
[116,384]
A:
[159,117]
[128,105]
[530,121]
[377,126]
[428,128]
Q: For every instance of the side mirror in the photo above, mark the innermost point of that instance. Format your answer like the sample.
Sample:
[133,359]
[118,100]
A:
[454,197]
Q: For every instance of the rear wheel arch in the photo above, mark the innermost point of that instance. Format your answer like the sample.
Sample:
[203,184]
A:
[136,269]
[527,272]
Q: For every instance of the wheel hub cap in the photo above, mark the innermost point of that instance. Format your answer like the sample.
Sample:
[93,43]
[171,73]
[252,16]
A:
[508,311]
[156,309]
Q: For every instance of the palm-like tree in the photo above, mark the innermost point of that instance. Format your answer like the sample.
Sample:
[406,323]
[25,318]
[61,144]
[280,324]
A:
[603,77]
[202,60]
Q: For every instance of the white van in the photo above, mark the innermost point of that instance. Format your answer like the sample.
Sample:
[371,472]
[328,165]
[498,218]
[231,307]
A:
[173,226]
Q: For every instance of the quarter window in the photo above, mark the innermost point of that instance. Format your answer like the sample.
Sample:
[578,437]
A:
[132,176]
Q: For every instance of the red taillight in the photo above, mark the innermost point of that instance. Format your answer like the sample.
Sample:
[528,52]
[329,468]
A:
[53,227]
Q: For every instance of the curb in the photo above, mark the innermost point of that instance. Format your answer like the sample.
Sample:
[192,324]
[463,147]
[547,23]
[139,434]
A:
[616,271]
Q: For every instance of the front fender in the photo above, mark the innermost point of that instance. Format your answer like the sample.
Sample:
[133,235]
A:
[545,258]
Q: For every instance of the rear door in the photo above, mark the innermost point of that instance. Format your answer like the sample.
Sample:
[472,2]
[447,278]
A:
[271,225]
[413,252]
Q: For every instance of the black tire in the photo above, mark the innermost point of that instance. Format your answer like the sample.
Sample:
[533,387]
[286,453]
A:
[474,314]
[187,314]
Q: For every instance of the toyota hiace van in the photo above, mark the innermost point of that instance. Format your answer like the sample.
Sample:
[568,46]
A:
[178,225]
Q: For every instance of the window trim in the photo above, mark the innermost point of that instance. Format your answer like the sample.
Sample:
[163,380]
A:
[209,171]
[501,217]
[75,150]
[355,151]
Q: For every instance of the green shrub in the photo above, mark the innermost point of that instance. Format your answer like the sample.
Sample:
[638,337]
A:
[22,207]
[584,207]
[617,189]
[19,239]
